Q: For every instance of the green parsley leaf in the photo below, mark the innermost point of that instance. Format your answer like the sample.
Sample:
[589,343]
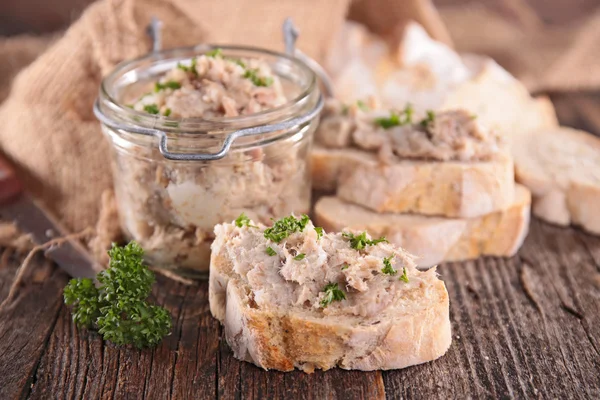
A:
[345,109]
[300,257]
[271,252]
[243,220]
[191,68]
[360,241]
[284,227]
[167,85]
[151,108]
[118,307]
[332,293]
[395,119]
[252,74]
[236,61]
[215,53]
[362,105]
[429,119]
[319,231]
[345,266]
[167,112]
[404,276]
[388,269]
[473,116]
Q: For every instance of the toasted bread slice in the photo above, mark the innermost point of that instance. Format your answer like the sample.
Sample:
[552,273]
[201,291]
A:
[561,166]
[315,301]
[449,188]
[432,239]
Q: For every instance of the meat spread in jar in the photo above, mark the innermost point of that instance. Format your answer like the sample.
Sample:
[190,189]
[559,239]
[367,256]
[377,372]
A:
[170,207]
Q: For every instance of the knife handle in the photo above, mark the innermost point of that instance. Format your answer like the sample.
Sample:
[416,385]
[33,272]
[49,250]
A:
[10,187]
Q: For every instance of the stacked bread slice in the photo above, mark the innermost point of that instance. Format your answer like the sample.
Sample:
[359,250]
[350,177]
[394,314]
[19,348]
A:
[442,188]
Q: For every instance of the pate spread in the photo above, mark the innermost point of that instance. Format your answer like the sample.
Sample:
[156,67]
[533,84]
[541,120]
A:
[214,86]
[453,135]
[300,266]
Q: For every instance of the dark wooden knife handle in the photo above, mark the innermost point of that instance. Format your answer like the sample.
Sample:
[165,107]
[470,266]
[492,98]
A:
[10,187]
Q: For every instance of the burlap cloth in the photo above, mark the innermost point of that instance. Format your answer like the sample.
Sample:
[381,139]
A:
[48,129]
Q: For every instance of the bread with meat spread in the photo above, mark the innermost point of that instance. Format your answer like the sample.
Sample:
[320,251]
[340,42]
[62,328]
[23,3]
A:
[446,165]
[292,296]
[434,240]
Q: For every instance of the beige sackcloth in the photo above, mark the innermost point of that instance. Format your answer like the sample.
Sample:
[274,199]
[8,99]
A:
[49,132]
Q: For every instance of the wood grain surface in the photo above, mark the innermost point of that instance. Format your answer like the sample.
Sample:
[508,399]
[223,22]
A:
[525,327]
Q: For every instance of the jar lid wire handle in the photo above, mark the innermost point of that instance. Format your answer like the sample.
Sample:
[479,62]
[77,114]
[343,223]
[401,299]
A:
[154,30]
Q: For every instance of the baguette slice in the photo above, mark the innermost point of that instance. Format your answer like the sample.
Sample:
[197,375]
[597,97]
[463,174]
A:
[450,188]
[272,311]
[561,167]
[432,239]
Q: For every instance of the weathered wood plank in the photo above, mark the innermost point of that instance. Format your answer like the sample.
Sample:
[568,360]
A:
[525,327]
[25,326]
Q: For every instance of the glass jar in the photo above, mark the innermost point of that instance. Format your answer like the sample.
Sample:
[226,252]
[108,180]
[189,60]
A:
[175,179]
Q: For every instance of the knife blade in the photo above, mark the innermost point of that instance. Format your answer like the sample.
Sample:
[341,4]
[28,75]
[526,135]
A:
[30,217]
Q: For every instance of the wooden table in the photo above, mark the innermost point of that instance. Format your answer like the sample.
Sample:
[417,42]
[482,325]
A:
[525,327]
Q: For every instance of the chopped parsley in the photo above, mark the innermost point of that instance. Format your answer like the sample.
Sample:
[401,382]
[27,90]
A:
[345,109]
[284,227]
[397,119]
[167,85]
[271,252]
[236,61]
[388,269]
[332,293]
[362,105]
[151,108]
[243,220]
[345,266]
[359,242]
[319,231]
[167,112]
[214,53]
[300,257]
[252,74]
[191,68]
[404,276]
[429,119]
[473,116]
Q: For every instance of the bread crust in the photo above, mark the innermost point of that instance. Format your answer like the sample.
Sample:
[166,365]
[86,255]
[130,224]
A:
[434,240]
[450,189]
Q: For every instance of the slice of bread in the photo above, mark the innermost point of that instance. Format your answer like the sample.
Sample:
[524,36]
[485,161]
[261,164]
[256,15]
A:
[449,188]
[432,239]
[561,167]
[280,312]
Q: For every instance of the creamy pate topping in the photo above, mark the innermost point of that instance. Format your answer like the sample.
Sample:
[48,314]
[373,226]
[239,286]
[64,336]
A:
[214,85]
[444,135]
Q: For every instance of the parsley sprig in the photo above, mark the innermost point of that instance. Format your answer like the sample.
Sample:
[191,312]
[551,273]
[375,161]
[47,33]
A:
[388,269]
[151,109]
[397,119]
[243,220]
[360,241]
[404,276]
[252,74]
[429,119]
[118,307]
[167,85]
[284,227]
[332,293]
[191,68]
[319,231]
[300,257]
